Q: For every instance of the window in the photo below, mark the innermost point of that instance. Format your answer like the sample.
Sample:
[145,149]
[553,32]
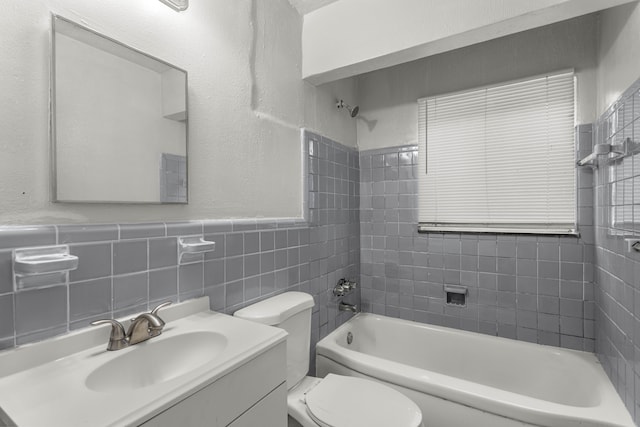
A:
[499,158]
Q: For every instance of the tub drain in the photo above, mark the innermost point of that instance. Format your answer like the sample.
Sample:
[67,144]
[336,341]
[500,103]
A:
[349,337]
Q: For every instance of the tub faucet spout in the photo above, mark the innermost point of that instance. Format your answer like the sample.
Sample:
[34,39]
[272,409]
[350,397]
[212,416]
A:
[343,306]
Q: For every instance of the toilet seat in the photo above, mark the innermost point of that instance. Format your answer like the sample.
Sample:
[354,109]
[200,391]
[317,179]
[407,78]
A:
[341,401]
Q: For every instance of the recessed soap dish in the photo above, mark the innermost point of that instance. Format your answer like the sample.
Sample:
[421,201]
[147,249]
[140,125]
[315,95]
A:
[456,295]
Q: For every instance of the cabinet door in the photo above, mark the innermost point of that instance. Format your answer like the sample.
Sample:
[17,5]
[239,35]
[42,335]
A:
[270,411]
[222,402]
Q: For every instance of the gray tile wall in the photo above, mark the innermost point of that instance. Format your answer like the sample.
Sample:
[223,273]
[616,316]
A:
[617,273]
[532,288]
[129,268]
[362,222]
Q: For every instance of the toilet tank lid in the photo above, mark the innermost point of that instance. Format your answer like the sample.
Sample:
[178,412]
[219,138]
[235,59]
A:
[275,310]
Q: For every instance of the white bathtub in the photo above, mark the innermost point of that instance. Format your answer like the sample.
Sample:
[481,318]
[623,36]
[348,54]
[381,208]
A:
[462,378]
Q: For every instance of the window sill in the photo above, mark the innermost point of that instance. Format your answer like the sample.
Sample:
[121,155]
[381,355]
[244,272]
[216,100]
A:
[554,231]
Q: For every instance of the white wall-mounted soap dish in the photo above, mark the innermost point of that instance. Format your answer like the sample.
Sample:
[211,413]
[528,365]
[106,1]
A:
[189,248]
[42,266]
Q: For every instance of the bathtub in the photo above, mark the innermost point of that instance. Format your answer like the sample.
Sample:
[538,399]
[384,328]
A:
[462,378]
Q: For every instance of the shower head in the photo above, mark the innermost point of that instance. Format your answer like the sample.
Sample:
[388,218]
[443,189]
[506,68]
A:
[353,111]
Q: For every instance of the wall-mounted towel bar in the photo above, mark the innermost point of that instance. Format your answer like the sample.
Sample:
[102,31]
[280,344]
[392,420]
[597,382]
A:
[598,150]
[627,148]
[633,244]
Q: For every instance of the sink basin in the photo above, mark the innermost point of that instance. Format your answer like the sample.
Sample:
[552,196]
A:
[68,379]
[157,360]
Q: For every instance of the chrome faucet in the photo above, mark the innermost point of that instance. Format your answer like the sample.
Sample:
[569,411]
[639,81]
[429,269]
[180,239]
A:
[343,306]
[143,327]
[344,287]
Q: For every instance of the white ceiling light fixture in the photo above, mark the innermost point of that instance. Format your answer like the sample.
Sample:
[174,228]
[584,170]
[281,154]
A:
[178,5]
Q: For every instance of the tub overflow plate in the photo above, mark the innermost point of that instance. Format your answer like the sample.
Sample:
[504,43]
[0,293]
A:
[349,337]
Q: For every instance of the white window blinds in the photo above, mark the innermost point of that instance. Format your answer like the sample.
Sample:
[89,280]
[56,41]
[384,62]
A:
[500,158]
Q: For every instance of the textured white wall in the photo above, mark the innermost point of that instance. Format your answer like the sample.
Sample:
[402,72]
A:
[389,112]
[246,99]
[618,52]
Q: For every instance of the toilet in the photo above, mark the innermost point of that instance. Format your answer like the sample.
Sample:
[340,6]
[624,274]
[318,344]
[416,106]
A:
[336,400]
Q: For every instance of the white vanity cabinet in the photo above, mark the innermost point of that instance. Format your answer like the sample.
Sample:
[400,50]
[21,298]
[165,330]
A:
[206,369]
[252,395]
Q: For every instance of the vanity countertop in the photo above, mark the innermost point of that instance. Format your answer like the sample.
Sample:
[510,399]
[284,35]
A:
[54,383]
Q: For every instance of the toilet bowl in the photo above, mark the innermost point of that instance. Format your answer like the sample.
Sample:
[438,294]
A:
[341,401]
[336,400]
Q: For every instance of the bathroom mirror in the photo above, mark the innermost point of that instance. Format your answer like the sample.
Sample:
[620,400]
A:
[118,121]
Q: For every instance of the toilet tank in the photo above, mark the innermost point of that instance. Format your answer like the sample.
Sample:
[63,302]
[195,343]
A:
[290,311]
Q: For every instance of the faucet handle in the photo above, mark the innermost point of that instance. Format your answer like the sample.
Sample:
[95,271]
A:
[163,305]
[146,325]
[117,330]
[118,338]
[344,287]
[349,285]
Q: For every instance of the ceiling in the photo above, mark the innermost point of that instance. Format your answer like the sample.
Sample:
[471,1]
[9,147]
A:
[306,6]
[396,32]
